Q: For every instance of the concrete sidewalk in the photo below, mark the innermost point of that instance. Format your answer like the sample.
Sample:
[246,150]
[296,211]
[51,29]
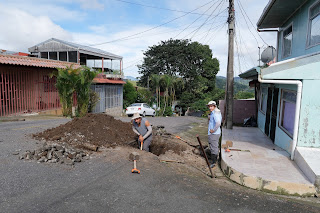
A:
[265,166]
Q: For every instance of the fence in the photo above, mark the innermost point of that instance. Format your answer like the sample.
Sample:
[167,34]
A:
[111,96]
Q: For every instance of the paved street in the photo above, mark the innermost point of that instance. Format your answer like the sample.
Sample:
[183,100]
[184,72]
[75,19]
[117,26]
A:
[105,182]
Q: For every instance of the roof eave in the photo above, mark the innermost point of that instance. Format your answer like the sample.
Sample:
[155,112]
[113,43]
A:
[251,73]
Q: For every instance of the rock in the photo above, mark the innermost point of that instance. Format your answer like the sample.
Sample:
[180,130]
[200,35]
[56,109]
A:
[77,160]
[49,155]
[69,162]
[15,153]
[41,160]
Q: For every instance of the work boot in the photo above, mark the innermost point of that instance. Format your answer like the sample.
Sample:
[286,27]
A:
[214,160]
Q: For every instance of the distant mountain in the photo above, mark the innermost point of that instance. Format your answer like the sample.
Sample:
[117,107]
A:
[130,78]
[239,84]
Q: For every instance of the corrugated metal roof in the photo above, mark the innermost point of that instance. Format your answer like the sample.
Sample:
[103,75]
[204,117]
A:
[34,62]
[82,49]
[277,12]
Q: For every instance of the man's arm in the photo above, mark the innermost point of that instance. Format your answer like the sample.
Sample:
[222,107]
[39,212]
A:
[147,123]
[135,131]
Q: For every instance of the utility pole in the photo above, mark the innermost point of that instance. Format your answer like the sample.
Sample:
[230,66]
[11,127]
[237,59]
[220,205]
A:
[229,95]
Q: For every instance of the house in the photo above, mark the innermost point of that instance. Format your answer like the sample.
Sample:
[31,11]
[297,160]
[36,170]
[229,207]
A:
[25,85]
[288,100]
[108,84]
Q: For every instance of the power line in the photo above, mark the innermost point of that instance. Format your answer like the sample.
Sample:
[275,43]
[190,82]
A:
[160,8]
[248,26]
[212,24]
[245,45]
[149,28]
[163,32]
[194,21]
[241,8]
[211,38]
[206,19]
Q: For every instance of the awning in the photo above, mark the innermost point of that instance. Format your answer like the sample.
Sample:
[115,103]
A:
[304,67]
[251,73]
[277,12]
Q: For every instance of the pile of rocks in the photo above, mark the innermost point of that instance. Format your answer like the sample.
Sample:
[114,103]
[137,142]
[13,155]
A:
[160,130]
[56,153]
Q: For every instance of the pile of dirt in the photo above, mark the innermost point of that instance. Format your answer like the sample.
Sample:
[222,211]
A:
[97,129]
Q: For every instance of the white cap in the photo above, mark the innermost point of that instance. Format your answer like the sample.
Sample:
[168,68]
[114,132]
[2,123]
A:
[135,116]
[212,103]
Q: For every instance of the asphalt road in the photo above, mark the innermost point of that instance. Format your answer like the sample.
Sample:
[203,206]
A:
[105,183]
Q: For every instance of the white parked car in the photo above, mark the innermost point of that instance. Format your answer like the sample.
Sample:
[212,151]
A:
[141,108]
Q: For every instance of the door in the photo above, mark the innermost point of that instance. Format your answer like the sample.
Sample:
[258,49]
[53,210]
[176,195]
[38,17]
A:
[274,114]
[267,123]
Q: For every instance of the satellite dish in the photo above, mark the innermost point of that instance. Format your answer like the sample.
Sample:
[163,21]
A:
[268,54]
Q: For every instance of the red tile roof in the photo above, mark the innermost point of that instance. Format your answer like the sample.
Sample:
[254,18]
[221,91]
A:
[34,62]
[101,78]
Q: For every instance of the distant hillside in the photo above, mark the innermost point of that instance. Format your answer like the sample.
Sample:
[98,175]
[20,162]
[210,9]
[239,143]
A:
[131,78]
[239,84]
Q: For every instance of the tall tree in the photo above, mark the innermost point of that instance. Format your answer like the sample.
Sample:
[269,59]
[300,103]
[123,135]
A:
[191,61]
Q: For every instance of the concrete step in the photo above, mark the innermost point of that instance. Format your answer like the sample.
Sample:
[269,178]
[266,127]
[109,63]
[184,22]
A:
[308,160]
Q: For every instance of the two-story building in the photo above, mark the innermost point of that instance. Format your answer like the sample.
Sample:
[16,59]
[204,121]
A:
[288,99]
[108,84]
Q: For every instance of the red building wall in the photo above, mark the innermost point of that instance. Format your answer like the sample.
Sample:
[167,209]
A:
[25,89]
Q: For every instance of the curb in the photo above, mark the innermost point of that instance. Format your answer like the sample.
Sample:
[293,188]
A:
[271,186]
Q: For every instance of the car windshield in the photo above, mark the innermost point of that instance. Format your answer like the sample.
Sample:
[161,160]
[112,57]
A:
[136,104]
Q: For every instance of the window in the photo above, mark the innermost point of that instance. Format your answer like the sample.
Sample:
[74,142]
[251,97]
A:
[263,99]
[73,56]
[288,109]
[287,41]
[314,25]
[44,55]
[62,56]
[53,55]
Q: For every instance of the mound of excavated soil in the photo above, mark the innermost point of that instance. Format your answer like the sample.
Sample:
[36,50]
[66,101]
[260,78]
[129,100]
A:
[97,129]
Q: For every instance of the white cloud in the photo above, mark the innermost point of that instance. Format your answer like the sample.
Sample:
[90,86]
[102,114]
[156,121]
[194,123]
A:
[28,24]
[92,4]
[21,30]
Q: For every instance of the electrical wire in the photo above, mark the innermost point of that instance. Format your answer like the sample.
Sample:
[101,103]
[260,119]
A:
[204,38]
[207,19]
[239,3]
[120,39]
[203,22]
[160,8]
[194,21]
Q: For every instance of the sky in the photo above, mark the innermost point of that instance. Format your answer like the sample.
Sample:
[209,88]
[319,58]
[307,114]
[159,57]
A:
[128,27]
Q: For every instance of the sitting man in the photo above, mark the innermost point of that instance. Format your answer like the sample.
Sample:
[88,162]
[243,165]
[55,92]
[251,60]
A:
[143,129]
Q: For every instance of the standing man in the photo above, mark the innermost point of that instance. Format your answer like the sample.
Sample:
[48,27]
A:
[214,131]
[143,129]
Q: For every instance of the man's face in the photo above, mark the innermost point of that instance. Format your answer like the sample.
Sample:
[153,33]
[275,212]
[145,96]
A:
[137,120]
[211,107]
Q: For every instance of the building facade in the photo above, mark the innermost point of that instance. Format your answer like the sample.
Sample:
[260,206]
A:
[288,103]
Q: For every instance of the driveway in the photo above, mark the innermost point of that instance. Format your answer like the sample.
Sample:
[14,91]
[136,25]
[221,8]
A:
[105,182]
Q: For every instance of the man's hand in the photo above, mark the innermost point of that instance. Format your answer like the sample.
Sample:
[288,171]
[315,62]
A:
[140,138]
[211,131]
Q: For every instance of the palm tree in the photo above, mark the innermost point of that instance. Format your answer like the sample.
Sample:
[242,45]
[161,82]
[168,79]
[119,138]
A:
[82,88]
[155,79]
[167,84]
[66,81]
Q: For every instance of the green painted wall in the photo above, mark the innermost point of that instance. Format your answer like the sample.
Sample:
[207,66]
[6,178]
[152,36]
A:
[309,125]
